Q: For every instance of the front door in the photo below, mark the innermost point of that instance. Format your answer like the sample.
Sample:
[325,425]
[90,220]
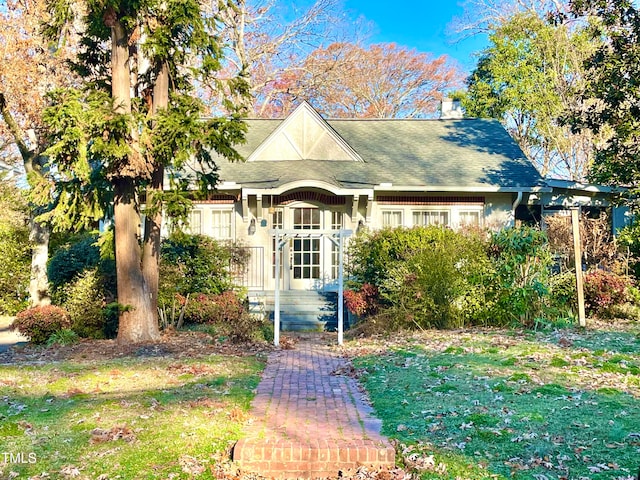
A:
[306,252]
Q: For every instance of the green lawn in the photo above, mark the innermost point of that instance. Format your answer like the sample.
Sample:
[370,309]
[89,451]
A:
[497,404]
[130,418]
[461,405]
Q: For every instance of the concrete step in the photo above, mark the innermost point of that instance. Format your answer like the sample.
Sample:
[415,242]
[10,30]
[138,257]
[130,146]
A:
[290,322]
[304,310]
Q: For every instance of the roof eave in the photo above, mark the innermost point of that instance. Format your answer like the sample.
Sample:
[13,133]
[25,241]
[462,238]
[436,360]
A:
[453,188]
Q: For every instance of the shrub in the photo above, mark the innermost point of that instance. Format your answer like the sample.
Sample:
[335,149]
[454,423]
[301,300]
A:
[562,290]
[85,302]
[372,254]
[39,323]
[441,284]
[199,308]
[227,313]
[426,276]
[194,264]
[603,290]
[523,263]
[362,302]
[72,260]
[629,238]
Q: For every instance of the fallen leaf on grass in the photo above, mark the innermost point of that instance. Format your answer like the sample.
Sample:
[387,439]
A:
[197,370]
[237,414]
[70,471]
[73,392]
[191,465]
[99,435]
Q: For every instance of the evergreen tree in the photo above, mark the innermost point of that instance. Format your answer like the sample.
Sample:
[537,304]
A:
[137,115]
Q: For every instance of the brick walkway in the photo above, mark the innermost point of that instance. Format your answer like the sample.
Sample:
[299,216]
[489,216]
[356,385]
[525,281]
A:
[309,419]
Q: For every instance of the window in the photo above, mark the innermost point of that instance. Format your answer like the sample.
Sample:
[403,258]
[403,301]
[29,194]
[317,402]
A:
[336,224]
[306,218]
[431,217]
[221,224]
[306,258]
[306,251]
[392,218]
[472,218]
[195,222]
[277,221]
[336,220]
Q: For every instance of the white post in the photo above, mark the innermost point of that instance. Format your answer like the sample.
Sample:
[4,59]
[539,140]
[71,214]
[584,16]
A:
[577,254]
[340,289]
[276,311]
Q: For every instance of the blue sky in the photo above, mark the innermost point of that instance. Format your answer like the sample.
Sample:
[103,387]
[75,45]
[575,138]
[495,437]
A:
[419,24]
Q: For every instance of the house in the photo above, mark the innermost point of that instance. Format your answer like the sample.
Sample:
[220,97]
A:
[312,177]
[563,195]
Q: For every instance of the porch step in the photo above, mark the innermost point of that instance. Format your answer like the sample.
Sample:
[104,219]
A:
[318,458]
[305,310]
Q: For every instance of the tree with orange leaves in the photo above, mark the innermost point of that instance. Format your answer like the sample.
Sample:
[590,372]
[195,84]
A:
[29,68]
[381,81]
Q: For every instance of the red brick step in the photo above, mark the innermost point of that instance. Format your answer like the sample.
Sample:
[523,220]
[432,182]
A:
[278,458]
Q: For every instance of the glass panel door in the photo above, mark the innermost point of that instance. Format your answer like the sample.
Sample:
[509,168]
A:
[306,252]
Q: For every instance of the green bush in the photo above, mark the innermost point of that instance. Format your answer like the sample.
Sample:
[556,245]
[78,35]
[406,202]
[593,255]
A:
[562,291]
[63,337]
[80,255]
[193,264]
[435,277]
[15,250]
[40,323]
[426,276]
[72,259]
[629,238]
[85,302]
[441,283]
[372,254]
[522,265]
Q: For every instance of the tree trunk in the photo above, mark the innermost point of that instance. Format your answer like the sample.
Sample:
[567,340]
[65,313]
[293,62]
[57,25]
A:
[137,320]
[152,241]
[153,220]
[39,234]
[39,283]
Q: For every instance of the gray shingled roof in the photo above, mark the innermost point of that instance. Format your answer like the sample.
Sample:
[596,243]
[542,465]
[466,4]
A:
[466,153]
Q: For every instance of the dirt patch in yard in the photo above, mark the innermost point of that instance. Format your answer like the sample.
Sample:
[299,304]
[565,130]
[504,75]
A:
[171,344]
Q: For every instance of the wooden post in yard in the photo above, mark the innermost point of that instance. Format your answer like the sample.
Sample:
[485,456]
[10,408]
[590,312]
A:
[577,253]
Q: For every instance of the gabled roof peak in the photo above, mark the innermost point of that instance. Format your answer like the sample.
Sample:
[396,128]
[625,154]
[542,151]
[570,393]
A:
[304,135]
